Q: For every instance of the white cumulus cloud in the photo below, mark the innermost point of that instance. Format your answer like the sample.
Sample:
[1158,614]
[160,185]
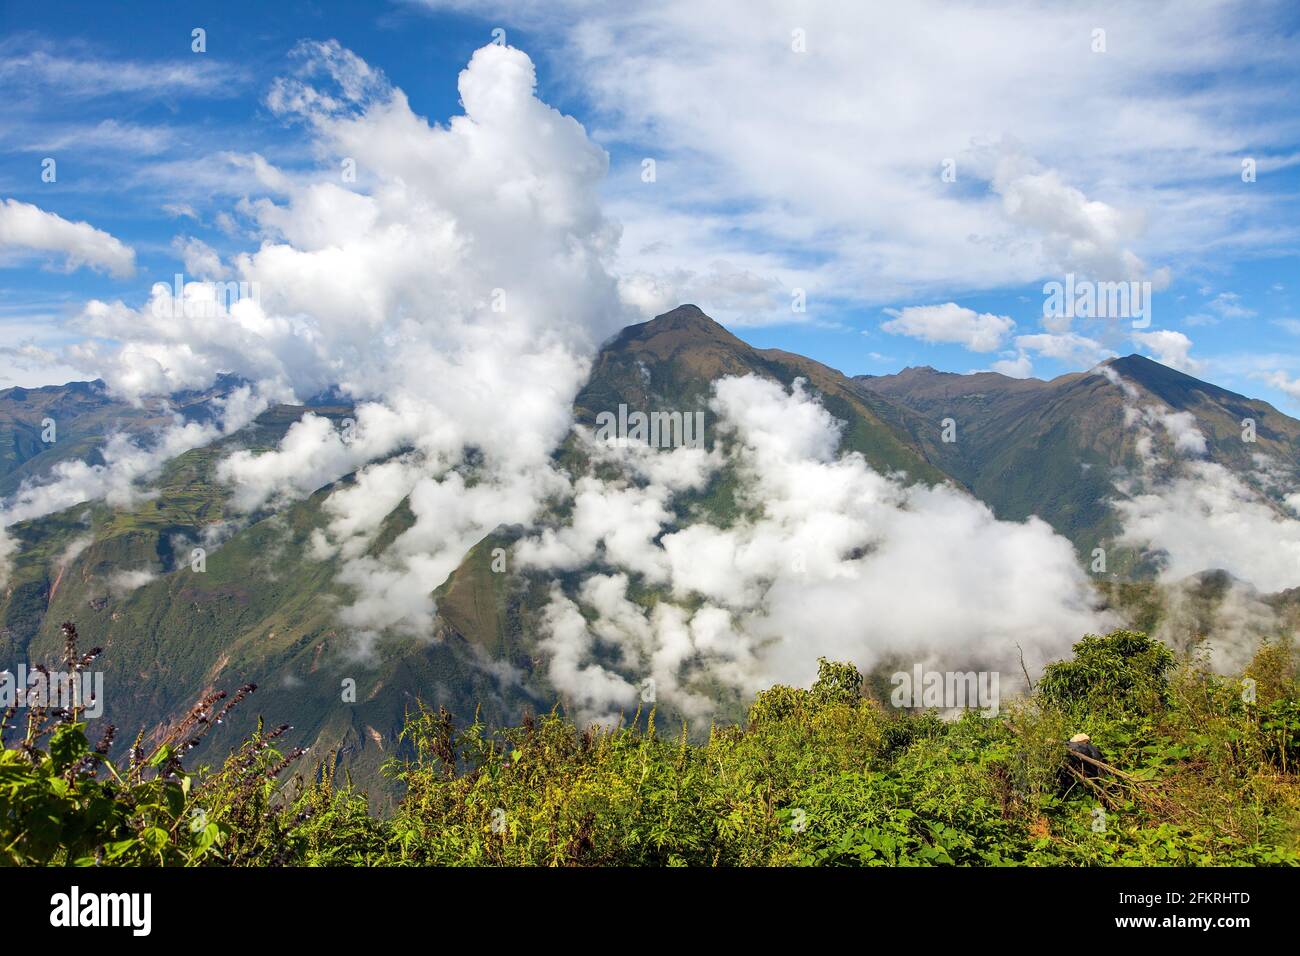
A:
[28,228]
[950,322]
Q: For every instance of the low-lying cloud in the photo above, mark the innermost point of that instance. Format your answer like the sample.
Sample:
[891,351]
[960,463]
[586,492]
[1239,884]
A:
[829,557]
[1194,514]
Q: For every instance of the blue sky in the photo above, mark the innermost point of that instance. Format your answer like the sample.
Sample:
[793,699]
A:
[777,169]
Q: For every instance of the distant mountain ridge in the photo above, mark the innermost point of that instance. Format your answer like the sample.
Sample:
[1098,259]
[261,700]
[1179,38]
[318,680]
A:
[1050,448]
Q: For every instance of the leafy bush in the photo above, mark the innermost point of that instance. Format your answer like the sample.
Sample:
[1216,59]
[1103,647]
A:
[1122,674]
[69,804]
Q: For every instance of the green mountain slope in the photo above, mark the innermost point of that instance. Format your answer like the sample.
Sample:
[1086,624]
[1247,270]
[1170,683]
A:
[670,362]
[1053,449]
[260,611]
[82,415]
[264,610]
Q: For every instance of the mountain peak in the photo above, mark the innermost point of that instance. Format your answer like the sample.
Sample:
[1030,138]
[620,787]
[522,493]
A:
[686,323]
[1132,360]
[685,309]
[1172,386]
[686,316]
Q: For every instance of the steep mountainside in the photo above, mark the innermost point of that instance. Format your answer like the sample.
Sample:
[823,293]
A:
[83,416]
[1053,449]
[261,611]
[670,362]
[264,610]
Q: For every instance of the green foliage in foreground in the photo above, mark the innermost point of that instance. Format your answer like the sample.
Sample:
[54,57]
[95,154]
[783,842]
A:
[1200,770]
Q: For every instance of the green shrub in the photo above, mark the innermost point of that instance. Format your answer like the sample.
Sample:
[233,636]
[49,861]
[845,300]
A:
[63,802]
[818,776]
[1122,674]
